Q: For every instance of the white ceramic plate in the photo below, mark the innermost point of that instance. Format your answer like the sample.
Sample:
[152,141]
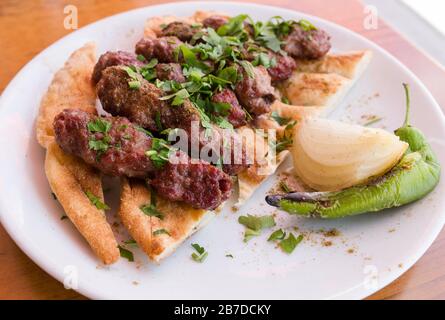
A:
[372,250]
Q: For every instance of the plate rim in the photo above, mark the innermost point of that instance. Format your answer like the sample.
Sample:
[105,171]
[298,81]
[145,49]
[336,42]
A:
[22,240]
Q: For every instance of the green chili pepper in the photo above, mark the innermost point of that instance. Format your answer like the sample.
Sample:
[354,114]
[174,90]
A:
[416,175]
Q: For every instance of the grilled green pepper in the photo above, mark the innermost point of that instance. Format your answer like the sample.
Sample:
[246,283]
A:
[416,175]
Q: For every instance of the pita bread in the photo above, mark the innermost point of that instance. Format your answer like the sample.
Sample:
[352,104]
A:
[348,64]
[325,82]
[70,178]
[179,220]
[71,87]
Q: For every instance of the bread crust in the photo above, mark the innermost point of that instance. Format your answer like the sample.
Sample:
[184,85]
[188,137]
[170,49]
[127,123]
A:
[71,87]
[70,178]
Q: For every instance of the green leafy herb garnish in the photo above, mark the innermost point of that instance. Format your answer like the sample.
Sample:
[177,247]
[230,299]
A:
[200,253]
[134,83]
[280,120]
[127,254]
[161,231]
[277,235]
[96,201]
[99,125]
[288,245]
[248,67]
[160,152]
[151,211]
[306,25]
[255,224]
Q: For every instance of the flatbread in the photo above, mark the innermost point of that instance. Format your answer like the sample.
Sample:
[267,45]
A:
[326,81]
[70,178]
[179,220]
[347,64]
[71,87]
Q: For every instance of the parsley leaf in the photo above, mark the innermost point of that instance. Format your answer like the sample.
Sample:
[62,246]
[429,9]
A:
[288,245]
[306,25]
[200,254]
[96,201]
[280,120]
[248,67]
[161,231]
[151,211]
[127,254]
[277,235]
[160,152]
[99,125]
[255,224]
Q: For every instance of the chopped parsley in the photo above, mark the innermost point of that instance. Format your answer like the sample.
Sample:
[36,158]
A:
[125,253]
[306,25]
[96,201]
[150,209]
[277,235]
[288,245]
[99,125]
[280,120]
[160,152]
[200,254]
[134,83]
[255,224]
[161,231]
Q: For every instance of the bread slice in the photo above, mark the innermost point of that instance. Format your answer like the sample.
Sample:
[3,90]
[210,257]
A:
[70,87]
[69,177]
[325,82]
[350,64]
[179,221]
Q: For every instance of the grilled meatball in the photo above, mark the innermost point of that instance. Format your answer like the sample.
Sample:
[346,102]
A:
[236,115]
[143,107]
[183,31]
[256,93]
[117,151]
[116,147]
[199,183]
[162,48]
[215,22]
[283,68]
[109,59]
[284,64]
[312,44]
[170,71]
[139,105]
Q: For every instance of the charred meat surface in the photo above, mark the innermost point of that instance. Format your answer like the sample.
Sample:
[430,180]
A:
[144,107]
[283,68]
[255,92]
[170,71]
[183,31]
[194,182]
[307,44]
[236,115]
[117,147]
[117,58]
[162,48]
[112,145]
[214,22]
[140,105]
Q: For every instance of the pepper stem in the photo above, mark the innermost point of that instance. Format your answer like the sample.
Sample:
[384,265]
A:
[408,104]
